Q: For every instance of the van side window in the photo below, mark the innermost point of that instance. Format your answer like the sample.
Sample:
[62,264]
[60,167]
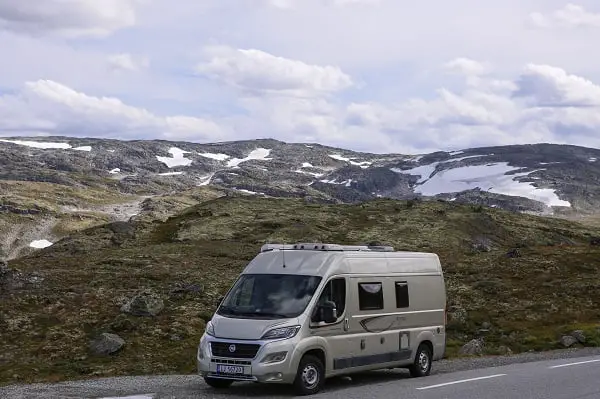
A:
[334,291]
[370,296]
[402,300]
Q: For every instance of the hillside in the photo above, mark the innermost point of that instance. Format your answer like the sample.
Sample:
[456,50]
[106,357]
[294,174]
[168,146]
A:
[519,281]
[52,186]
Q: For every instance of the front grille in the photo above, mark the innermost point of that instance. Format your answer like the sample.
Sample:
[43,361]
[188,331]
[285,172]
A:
[240,351]
[231,361]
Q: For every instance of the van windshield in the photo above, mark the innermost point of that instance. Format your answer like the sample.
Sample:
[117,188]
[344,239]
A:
[269,296]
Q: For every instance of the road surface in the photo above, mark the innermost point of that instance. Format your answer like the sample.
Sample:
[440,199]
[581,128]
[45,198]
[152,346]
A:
[572,378]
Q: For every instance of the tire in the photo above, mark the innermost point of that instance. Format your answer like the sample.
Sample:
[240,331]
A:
[310,376]
[422,364]
[218,383]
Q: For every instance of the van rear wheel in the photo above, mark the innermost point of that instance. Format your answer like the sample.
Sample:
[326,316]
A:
[422,364]
[310,376]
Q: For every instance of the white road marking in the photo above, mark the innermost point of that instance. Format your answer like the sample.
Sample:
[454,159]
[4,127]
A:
[461,381]
[144,396]
[574,364]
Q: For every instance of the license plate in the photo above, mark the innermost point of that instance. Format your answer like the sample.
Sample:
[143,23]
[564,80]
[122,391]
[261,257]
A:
[227,369]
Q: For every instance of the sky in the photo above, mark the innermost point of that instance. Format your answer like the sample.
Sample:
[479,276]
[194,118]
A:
[369,75]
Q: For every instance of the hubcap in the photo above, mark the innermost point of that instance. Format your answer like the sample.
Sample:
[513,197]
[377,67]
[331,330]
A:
[310,376]
[423,361]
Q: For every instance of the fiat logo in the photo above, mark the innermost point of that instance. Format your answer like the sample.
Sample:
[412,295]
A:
[232,348]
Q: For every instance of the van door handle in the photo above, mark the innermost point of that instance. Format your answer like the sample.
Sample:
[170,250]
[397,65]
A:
[346,325]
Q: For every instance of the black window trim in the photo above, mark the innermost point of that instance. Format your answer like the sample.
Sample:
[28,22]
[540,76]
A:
[360,308]
[405,284]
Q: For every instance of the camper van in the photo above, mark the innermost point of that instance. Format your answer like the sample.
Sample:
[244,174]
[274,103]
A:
[301,313]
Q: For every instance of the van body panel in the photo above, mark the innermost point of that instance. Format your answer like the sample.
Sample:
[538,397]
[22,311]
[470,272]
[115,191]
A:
[386,305]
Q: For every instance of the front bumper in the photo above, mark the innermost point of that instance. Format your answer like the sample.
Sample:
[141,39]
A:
[247,368]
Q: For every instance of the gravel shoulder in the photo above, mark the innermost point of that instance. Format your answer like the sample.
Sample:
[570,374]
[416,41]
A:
[191,386]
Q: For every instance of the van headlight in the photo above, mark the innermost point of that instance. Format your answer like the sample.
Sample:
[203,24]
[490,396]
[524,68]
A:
[210,329]
[281,333]
[274,357]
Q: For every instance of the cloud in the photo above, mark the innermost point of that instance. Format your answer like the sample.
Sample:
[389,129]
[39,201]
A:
[127,62]
[48,107]
[466,66]
[258,72]
[70,18]
[550,86]
[570,16]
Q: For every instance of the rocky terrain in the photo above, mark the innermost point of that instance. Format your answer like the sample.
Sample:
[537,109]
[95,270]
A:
[52,186]
[132,297]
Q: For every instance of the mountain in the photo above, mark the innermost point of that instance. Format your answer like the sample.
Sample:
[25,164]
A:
[53,186]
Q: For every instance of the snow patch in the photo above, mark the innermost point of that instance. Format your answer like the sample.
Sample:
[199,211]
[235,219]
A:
[347,182]
[304,172]
[114,171]
[307,165]
[40,144]
[177,158]
[456,153]
[170,174]
[490,177]
[110,150]
[87,148]
[338,157]
[40,244]
[216,157]
[592,159]
[205,180]
[259,154]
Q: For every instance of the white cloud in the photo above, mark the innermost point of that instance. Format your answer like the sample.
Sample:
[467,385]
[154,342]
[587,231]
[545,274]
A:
[551,86]
[48,107]
[127,62]
[257,71]
[71,18]
[570,16]
[466,66]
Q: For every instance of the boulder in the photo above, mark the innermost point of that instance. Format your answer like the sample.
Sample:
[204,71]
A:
[567,341]
[579,336]
[473,347]
[146,303]
[107,344]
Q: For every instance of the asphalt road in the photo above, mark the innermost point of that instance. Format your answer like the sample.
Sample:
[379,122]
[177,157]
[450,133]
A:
[573,378]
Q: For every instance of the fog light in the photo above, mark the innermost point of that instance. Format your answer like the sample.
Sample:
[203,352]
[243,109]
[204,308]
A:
[273,377]
[274,357]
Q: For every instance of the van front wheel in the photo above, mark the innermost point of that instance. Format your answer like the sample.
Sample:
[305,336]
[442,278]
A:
[422,364]
[310,375]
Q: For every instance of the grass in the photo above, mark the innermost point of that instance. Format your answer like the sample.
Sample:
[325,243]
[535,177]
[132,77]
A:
[527,302]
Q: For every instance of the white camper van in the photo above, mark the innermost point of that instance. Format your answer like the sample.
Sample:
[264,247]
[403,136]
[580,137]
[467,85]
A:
[301,313]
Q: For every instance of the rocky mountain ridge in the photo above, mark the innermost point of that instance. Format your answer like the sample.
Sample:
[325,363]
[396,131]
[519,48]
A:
[51,178]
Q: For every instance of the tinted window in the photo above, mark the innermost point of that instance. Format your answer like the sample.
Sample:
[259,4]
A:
[370,296]
[402,294]
[269,296]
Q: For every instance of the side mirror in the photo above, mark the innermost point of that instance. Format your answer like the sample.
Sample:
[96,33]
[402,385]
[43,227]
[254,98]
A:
[328,312]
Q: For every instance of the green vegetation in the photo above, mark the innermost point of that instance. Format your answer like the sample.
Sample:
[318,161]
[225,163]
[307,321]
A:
[519,281]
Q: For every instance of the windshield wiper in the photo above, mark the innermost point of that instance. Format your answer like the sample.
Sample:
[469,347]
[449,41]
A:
[269,314]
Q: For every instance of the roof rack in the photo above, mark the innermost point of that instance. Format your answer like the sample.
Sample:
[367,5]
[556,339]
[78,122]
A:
[316,246]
